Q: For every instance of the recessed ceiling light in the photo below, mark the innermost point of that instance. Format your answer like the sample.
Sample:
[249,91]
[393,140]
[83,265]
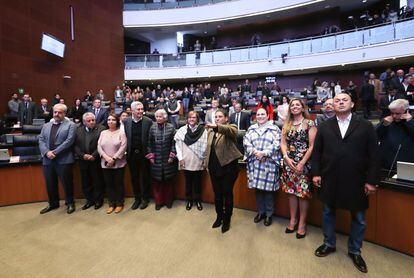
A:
[364,1]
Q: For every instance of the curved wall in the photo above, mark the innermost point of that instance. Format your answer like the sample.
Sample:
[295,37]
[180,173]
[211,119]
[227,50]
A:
[208,13]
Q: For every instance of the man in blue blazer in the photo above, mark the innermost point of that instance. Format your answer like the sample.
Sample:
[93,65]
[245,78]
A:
[101,114]
[55,143]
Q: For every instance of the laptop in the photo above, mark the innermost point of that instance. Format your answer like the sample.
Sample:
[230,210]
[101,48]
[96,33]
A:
[405,171]
[4,155]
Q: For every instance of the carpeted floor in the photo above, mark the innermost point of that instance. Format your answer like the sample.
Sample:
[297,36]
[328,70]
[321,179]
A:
[171,243]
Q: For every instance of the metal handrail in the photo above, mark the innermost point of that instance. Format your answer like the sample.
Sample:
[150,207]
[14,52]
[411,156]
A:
[131,6]
[288,44]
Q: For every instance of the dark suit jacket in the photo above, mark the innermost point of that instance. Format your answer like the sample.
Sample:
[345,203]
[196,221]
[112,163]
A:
[146,125]
[30,114]
[80,144]
[383,105]
[102,116]
[77,114]
[367,92]
[40,113]
[345,165]
[396,83]
[244,120]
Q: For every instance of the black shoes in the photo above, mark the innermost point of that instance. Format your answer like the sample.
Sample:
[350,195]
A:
[217,223]
[289,231]
[259,217]
[70,209]
[268,221]
[158,207]
[299,236]
[189,205]
[98,204]
[324,250]
[226,225]
[169,206]
[359,262]
[136,204]
[199,206]
[48,208]
[144,204]
[88,205]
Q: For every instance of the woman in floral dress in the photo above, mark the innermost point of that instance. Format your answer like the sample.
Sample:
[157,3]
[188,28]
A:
[298,135]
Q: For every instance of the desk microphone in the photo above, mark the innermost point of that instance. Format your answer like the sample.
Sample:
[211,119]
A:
[393,162]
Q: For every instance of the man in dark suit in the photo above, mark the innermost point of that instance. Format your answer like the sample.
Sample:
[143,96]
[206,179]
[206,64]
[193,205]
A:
[345,165]
[408,88]
[55,143]
[239,118]
[397,81]
[386,100]
[367,96]
[86,144]
[27,111]
[44,111]
[100,113]
[137,130]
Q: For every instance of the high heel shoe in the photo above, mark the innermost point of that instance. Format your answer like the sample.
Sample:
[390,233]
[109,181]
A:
[290,231]
[299,236]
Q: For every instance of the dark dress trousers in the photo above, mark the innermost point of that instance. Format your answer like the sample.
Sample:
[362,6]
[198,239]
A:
[86,142]
[345,165]
[59,139]
[136,151]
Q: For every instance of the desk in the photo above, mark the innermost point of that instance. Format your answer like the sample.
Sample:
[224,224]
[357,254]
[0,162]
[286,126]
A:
[389,215]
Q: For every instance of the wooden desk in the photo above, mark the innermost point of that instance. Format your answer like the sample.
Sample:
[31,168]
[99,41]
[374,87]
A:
[389,215]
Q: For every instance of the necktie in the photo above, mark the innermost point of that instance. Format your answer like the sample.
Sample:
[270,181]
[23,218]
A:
[237,121]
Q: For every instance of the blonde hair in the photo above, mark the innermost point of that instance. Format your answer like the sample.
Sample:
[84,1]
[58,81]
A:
[289,120]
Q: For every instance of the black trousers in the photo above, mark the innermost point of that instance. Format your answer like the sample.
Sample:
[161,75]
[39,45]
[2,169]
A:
[193,185]
[114,183]
[51,173]
[223,193]
[92,181]
[140,176]
[367,108]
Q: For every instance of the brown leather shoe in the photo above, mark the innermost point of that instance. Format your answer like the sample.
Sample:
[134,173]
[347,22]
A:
[119,209]
[110,210]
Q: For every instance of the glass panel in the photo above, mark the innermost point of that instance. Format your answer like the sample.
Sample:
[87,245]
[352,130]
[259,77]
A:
[153,61]
[296,48]
[404,29]
[221,57]
[134,62]
[236,55]
[190,59]
[317,45]
[380,35]
[278,49]
[206,58]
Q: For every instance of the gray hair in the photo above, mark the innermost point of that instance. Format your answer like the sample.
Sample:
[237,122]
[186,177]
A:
[135,104]
[163,112]
[88,114]
[60,105]
[399,103]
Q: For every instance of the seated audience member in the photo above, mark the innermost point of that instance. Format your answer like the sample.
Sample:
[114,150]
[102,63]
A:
[56,99]
[77,111]
[88,97]
[100,95]
[396,135]
[100,113]
[55,144]
[265,104]
[127,101]
[239,118]
[27,111]
[86,150]
[62,101]
[161,104]
[210,114]
[173,109]
[13,105]
[43,110]
[386,100]
[262,151]
[161,154]
[232,107]
[282,111]
[367,97]
[225,99]
[323,92]
[190,144]
[328,112]
[122,118]
[111,147]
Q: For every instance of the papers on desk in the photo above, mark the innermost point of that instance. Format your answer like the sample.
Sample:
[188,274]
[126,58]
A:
[16,126]
[14,159]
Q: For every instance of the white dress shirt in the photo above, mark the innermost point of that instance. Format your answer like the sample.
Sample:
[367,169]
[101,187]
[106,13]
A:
[343,125]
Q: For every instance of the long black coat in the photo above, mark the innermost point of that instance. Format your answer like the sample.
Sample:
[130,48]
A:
[345,165]
[161,144]
[146,125]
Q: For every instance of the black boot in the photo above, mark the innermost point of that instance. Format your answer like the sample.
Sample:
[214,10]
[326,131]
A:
[218,222]
[226,224]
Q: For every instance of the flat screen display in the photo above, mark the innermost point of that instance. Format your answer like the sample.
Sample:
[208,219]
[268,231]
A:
[52,45]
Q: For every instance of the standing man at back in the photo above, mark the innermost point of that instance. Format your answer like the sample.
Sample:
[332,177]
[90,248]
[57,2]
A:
[345,165]
[101,113]
[55,143]
[27,111]
[137,130]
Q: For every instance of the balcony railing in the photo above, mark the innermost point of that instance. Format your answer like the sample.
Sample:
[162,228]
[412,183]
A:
[131,5]
[303,47]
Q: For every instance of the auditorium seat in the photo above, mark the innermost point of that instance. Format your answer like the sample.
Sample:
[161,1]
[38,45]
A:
[24,145]
[31,129]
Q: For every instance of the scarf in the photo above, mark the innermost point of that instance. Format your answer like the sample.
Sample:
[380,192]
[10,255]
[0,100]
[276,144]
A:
[192,137]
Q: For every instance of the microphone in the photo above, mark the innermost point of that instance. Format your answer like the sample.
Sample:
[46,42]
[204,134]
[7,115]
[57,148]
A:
[393,162]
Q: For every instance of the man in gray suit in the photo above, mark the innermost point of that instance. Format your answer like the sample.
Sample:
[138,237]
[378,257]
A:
[210,114]
[55,143]
[137,130]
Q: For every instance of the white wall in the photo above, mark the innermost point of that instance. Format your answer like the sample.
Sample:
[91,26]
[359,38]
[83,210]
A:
[167,44]
[208,13]
[402,48]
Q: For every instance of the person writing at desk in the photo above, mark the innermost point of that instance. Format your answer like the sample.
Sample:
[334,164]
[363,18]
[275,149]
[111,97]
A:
[396,135]
[222,161]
